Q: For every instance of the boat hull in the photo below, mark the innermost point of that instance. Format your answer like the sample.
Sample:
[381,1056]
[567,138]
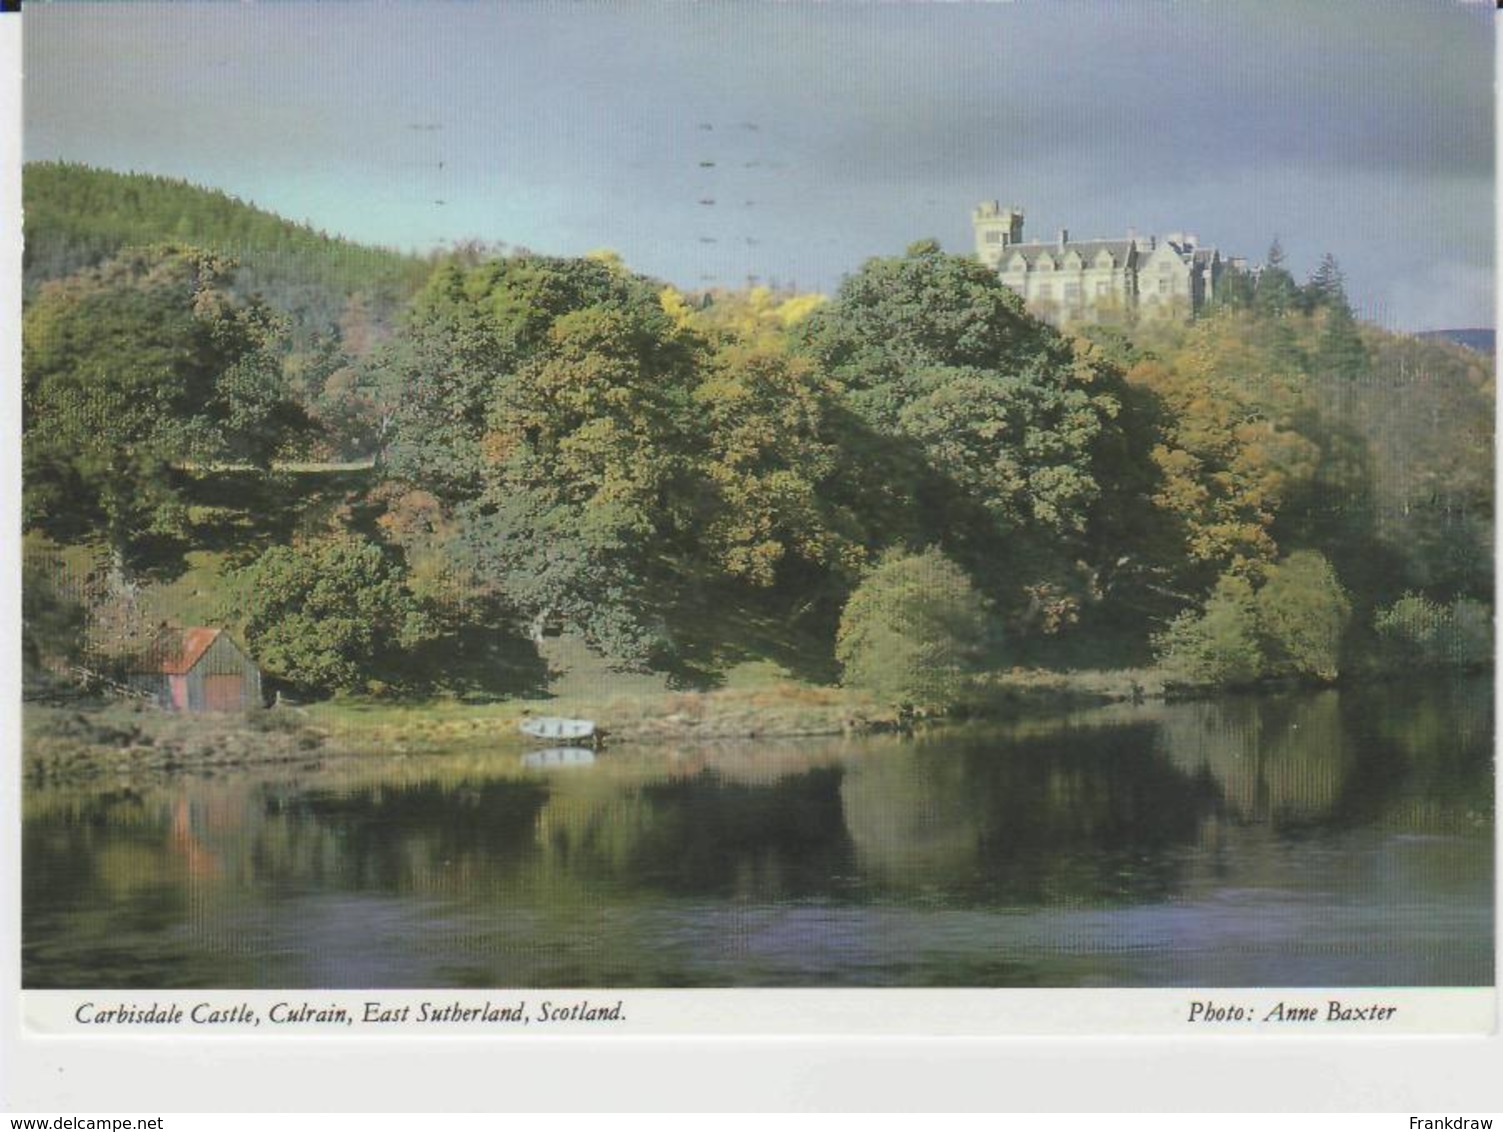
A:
[547,727]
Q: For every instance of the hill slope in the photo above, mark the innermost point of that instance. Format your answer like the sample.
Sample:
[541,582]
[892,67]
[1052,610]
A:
[1483,339]
[77,216]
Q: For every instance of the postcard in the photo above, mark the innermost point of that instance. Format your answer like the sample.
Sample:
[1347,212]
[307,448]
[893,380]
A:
[544,526]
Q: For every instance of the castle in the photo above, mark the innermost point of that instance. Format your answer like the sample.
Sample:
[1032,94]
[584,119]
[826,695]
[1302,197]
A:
[1100,280]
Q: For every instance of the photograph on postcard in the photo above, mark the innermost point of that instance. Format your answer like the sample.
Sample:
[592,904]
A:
[534,496]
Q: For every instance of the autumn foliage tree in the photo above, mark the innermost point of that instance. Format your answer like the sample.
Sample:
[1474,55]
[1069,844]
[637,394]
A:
[1231,449]
[683,480]
[771,457]
[584,473]
[132,371]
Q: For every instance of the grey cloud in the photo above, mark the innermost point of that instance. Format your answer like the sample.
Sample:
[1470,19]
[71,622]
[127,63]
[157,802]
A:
[568,126]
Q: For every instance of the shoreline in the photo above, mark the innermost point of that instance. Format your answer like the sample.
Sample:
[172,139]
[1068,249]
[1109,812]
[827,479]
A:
[96,738]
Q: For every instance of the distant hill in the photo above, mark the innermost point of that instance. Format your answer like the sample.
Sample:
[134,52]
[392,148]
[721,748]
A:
[77,216]
[1483,339]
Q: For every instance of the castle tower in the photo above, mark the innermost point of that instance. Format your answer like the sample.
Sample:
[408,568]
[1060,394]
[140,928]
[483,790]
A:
[996,228]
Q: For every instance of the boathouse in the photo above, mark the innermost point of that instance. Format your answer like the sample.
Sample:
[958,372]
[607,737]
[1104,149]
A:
[200,669]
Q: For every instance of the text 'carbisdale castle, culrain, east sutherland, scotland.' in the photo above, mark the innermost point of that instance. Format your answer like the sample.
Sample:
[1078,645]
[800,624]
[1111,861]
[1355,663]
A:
[1067,280]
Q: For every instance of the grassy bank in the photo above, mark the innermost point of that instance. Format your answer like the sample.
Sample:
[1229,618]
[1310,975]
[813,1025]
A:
[786,711]
[87,739]
[123,739]
[130,739]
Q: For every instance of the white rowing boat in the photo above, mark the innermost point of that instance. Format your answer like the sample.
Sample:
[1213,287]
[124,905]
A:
[552,727]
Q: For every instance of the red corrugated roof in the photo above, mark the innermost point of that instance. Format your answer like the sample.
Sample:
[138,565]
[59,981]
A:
[183,654]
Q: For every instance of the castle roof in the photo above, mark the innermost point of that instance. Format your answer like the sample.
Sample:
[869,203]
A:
[1121,251]
[1086,249]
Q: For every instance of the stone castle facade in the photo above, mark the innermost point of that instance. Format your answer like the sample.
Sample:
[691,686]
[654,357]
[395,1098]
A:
[1067,280]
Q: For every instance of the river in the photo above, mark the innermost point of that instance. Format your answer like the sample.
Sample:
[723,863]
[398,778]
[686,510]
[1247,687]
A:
[1335,838]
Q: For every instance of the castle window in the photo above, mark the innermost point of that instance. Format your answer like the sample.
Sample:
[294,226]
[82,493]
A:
[1164,285]
[994,237]
[1072,292]
[1045,291]
[1103,288]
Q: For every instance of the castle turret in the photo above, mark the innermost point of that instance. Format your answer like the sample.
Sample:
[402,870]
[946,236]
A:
[996,227]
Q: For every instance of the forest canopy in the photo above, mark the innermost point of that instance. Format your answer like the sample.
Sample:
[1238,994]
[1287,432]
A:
[527,445]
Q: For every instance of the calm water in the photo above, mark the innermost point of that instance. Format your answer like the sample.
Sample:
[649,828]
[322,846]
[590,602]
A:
[1338,838]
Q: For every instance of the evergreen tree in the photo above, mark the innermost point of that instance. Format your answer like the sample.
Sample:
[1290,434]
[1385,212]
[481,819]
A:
[1327,287]
[77,217]
[1340,351]
[1277,294]
[1234,291]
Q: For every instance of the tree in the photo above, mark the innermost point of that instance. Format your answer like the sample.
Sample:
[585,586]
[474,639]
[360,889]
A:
[353,398]
[470,330]
[1230,448]
[1276,294]
[771,456]
[898,317]
[1339,351]
[1302,613]
[759,315]
[1018,443]
[132,371]
[587,490]
[446,364]
[1290,625]
[1417,632]
[1424,415]
[331,616]
[915,632]
[988,428]
[1234,290]
[78,218]
[1218,645]
[53,616]
[1327,286]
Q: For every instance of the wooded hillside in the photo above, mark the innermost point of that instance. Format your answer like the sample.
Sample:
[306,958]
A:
[913,482]
[78,217]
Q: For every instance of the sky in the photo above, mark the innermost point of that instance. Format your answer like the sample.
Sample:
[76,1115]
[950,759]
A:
[709,142]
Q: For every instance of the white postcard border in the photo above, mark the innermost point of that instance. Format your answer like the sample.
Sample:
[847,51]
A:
[530,1014]
[50,1061]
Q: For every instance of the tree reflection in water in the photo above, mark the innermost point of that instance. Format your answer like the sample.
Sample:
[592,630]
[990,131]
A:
[832,862]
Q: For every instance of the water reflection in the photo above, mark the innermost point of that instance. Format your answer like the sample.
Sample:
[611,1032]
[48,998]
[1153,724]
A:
[558,756]
[707,834]
[1078,815]
[1011,855]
